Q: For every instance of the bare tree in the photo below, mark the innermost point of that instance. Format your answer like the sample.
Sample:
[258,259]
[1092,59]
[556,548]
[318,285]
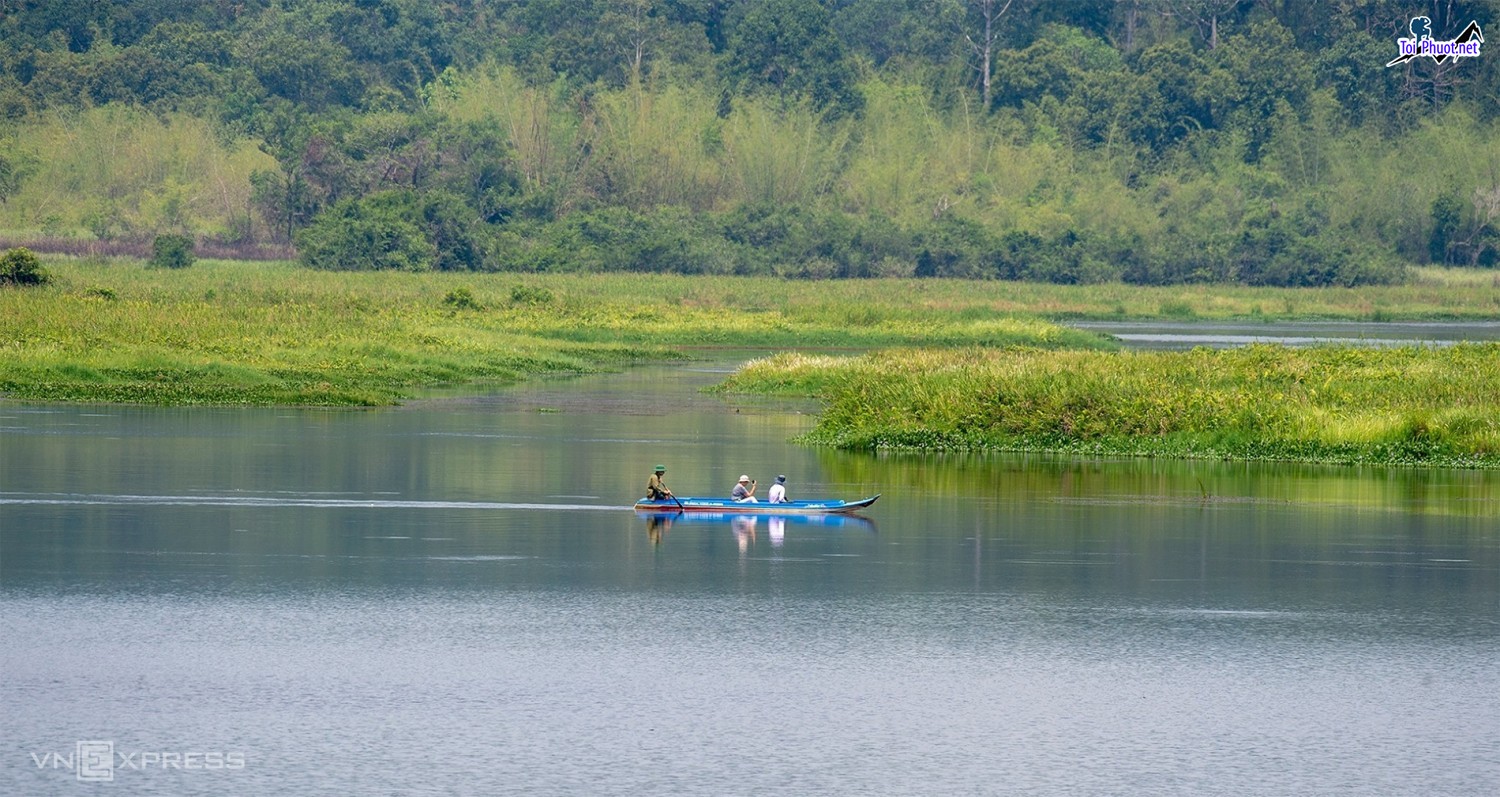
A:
[639,33]
[990,12]
[1203,15]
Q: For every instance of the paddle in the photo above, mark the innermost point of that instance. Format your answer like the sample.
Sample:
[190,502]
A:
[680,507]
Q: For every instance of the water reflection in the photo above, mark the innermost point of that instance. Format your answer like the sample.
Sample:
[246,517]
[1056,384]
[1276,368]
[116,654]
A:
[745,529]
[1021,478]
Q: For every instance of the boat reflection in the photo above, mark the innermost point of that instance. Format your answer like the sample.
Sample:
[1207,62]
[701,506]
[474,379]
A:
[745,527]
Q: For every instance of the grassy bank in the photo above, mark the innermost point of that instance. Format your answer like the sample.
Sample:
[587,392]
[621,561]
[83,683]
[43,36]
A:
[229,332]
[1414,405]
[257,333]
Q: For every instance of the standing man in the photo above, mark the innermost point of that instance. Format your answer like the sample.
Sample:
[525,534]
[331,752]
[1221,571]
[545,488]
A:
[655,490]
[777,495]
[744,491]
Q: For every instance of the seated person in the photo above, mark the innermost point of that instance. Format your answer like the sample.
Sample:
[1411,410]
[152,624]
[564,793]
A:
[655,489]
[777,495]
[744,491]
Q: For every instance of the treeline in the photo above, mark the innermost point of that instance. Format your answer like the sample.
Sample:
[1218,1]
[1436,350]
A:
[1154,141]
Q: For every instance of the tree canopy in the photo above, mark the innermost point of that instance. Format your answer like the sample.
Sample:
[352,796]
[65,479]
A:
[1159,141]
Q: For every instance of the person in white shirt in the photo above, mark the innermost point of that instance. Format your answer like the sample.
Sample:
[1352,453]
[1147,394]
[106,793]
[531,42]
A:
[777,495]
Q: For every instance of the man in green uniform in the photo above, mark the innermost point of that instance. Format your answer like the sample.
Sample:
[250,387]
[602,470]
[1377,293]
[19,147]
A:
[655,490]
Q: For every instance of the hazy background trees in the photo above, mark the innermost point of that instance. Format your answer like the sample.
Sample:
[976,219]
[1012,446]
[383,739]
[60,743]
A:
[1260,141]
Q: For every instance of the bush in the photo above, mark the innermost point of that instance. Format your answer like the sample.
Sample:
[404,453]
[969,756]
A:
[172,251]
[462,299]
[395,230]
[527,294]
[375,233]
[20,266]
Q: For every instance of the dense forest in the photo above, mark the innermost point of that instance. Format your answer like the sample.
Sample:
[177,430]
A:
[1151,141]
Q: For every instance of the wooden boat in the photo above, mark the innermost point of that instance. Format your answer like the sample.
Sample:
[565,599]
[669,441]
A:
[728,506]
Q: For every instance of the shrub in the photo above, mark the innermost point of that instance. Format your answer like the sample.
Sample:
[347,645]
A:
[526,294]
[172,251]
[462,299]
[374,233]
[20,266]
[399,230]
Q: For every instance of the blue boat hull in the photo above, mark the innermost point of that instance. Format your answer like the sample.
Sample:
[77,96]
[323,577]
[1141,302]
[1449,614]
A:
[728,506]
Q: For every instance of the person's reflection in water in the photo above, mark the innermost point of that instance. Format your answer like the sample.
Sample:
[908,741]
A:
[656,526]
[744,531]
[778,530]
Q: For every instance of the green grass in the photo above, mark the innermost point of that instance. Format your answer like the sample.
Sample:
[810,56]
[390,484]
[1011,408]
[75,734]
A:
[272,333]
[256,333]
[1410,405]
[230,333]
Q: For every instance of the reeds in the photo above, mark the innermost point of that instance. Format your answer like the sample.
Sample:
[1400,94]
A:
[1400,405]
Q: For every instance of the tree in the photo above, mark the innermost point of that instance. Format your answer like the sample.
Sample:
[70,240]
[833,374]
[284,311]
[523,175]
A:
[989,14]
[902,30]
[614,41]
[1264,68]
[790,47]
[1206,16]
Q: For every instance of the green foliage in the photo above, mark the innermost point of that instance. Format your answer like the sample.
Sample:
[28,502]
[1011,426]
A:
[462,299]
[395,229]
[530,295]
[122,171]
[1447,218]
[1161,143]
[1418,405]
[20,266]
[11,176]
[789,46]
[170,250]
[372,234]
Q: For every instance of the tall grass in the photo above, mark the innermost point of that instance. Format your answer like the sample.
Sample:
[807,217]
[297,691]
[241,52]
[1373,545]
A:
[121,171]
[271,333]
[1409,405]
[224,333]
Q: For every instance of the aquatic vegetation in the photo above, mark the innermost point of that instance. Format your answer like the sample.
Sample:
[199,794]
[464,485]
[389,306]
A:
[271,333]
[1407,405]
[257,333]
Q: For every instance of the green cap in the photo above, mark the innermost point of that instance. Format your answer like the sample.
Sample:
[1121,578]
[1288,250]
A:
[661,468]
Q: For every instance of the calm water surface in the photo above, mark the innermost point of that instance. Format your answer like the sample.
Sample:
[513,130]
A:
[1223,334]
[454,598]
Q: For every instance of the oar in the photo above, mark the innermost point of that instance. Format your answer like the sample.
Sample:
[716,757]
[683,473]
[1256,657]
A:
[680,507]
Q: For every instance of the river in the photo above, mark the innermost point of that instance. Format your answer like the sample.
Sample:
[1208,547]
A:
[454,597]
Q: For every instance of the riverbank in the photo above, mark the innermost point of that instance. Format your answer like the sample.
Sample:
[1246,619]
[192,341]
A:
[1400,406]
[257,333]
[226,332]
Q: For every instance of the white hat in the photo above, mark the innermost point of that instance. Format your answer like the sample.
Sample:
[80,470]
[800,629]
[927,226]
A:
[744,478]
